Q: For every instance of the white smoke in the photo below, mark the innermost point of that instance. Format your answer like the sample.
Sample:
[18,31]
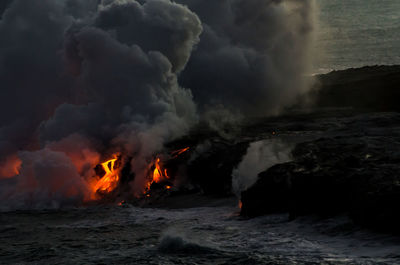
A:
[259,157]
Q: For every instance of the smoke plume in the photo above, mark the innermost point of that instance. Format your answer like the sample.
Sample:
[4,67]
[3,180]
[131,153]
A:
[260,156]
[83,79]
[252,56]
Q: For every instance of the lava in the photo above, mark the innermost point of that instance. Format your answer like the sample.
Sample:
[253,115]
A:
[177,153]
[158,174]
[110,179]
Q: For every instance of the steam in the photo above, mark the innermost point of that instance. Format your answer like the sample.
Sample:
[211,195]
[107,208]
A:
[252,56]
[82,79]
[260,156]
[47,179]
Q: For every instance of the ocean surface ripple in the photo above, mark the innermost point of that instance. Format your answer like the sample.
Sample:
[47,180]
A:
[207,235]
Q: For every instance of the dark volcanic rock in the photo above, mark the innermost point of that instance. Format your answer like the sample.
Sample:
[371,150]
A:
[212,170]
[355,170]
[209,163]
[370,88]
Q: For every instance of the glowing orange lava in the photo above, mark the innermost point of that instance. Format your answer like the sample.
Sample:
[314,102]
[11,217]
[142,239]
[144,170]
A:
[158,174]
[177,153]
[110,180]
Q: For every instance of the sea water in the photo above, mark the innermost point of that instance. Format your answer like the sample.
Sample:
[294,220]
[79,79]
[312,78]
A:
[206,235]
[355,33]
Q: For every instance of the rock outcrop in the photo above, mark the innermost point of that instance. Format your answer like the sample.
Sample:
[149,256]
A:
[354,170]
[370,88]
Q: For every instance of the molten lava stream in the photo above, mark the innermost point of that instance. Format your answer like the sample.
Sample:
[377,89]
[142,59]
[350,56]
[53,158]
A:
[177,153]
[110,180]
[158,174]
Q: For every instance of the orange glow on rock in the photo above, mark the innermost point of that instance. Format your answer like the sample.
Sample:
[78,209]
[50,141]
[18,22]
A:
[10,167]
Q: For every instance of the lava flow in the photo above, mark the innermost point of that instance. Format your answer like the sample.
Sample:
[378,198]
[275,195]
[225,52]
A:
[177,153]
[160,174]
[110,180]
[157,174]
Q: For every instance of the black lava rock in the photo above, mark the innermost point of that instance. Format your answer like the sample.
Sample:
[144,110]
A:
[359,175]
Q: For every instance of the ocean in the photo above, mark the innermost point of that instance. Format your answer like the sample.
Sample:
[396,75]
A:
[355,33]
[206,235]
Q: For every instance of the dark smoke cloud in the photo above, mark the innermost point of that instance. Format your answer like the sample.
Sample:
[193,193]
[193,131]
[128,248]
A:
[253,54]
[81,79]
[68,69]
[155,26]
[32,84]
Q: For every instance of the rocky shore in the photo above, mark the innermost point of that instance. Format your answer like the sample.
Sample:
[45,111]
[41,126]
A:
[352,166]
[344,159]
[352,170]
